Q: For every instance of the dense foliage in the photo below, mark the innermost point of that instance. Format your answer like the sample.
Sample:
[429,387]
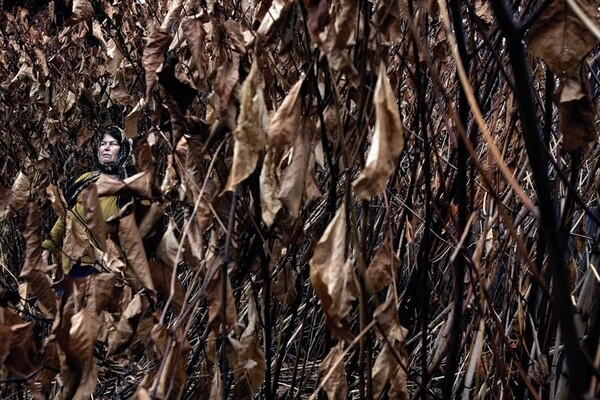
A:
[352,199]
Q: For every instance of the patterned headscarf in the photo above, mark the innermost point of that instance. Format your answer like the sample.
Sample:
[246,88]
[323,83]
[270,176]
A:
[118,166]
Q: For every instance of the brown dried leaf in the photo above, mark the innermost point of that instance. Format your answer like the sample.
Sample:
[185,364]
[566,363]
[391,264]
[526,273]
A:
[270,186]
[16,344]
[82,10]
[121,337]
[293,177]
[154,57]
[161,277]
[576,112]
[100,292]
[560,38]
[248,364]
[387,143]
[134,252]
[276,13]
[93,216]
[284,124]
[33,267]
[82,377]
[214,296]
[345,23]
[285,285]
[336,386]
[196,39]
[382,269]
[16,198]
[139,185]
[333,277]
[249,134]
[318,15]
[227,77]
[386,369]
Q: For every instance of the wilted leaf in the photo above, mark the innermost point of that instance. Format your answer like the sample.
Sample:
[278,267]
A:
[333,277]
[336,386]
[227,77]
[387,142]
[214,299]
[275,14]
[15,198]
[576,112]
[196,39]
[284,124]
[285,285]
[250,132]
[382,269]
[139,185]
[560,38]
[293,177]
[161,277]
[133,248]
[100,291]
[270,186]
[153,58]
[82,10]
[318,15]
[93,216]
[248,364]
[121,337]
[33,267]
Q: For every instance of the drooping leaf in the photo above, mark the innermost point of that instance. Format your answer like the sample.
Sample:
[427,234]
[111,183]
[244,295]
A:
[387,142]
[560,38]
[214,299]
[196,39]
[161,277]
[336,386]
[153,58]
[576,112]
[249,134]
[82,377]
[293,177]
[82,10]
[133,248]
[332,276]
[248,363]
[382,269]
[284,124]
[121,337]
[93,216]
[33,267]
[270,186]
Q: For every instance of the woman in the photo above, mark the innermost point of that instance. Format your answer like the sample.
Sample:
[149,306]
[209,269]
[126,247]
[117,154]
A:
[112,155]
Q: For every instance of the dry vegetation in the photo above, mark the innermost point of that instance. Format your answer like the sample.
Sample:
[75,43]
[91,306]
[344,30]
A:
[352,199]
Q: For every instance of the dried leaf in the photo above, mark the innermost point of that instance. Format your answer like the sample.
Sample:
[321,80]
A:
[16,198]
[560,38]
[333,278]
[285,285]
[249,134]
[133,248]
[82,10]
[82,377]
[276,13]
[154,57]
[33,267]
[139,185]
[286,120]
[214,299]
[248,364]
[576,112]
[336,386]
[382,269]
[196,39]
[293,177]
[270,186]
[121,337]
[227,77]
[96,225]
[161,277]
[387,143]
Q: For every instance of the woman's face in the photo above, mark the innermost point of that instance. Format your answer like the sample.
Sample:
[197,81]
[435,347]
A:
[108,150]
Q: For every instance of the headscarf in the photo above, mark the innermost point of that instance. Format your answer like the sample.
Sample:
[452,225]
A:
[117,167]
[120,168]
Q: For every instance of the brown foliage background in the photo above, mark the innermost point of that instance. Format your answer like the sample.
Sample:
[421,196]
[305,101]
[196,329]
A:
[349,196]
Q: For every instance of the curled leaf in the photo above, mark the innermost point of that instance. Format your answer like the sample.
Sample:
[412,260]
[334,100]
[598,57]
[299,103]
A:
[333,277]
[336,385]
[382,268]
[387,143]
